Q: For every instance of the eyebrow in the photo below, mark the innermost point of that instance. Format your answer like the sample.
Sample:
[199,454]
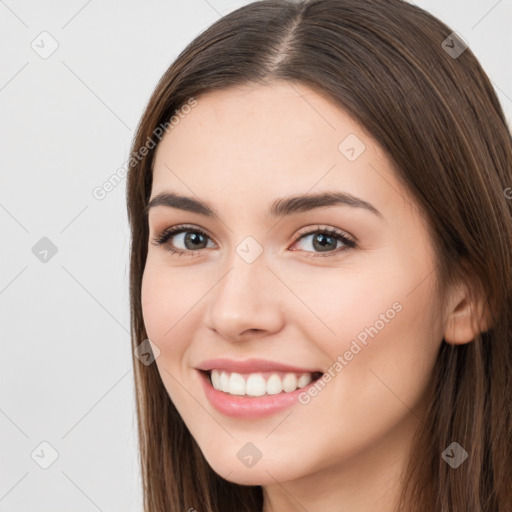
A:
[280,207]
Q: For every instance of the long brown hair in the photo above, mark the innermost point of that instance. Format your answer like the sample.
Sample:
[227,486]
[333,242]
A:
[390,65]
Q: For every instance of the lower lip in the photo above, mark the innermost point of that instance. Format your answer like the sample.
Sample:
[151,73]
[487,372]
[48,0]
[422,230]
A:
[238,406]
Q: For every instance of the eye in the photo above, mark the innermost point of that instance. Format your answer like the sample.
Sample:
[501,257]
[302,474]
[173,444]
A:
[190,236]
[325,241]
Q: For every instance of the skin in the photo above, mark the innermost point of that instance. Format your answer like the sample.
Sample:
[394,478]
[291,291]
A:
[240,149]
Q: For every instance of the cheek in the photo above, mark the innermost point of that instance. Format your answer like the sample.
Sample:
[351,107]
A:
[153,297]
[378,322]
[386,342]
[167,298]
[337,305]
[169,301]
[381,356]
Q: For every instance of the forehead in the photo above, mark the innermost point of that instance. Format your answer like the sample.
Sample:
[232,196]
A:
[259,124]
[277,140]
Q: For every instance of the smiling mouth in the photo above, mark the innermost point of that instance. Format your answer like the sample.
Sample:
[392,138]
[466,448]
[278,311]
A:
[259,384]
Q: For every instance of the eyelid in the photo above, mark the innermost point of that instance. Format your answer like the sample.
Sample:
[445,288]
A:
[309,230]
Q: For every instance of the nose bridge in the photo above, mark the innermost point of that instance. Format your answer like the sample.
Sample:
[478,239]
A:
[246,266]
[242,299]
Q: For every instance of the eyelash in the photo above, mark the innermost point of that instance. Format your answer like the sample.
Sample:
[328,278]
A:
[331,232]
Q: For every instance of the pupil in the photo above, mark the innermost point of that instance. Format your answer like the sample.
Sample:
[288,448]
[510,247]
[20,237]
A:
[323,246]
[193,237]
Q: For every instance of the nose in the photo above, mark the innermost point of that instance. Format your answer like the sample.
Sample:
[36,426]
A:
[246,301]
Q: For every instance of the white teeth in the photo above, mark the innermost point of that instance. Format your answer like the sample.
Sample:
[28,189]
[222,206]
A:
[304,380]
[224,382]
[215,376]
[236,384]
[290,382]
[274,385]
[255,384]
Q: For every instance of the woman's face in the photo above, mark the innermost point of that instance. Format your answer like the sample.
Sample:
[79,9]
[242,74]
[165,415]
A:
[270,283]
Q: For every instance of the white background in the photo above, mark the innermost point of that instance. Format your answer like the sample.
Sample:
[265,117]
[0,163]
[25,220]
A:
[66,127]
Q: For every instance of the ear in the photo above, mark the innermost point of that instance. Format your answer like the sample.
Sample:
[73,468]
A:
[468,315]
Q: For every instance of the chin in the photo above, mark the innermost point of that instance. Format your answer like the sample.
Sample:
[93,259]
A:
[249,476]
[261,473]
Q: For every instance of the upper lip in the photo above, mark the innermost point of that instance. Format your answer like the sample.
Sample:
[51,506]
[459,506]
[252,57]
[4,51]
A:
[251,366]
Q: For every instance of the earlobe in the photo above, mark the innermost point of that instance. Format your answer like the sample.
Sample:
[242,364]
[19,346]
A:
[467,319]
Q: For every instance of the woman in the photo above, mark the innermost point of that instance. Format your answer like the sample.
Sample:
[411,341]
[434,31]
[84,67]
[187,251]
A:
[376,376]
